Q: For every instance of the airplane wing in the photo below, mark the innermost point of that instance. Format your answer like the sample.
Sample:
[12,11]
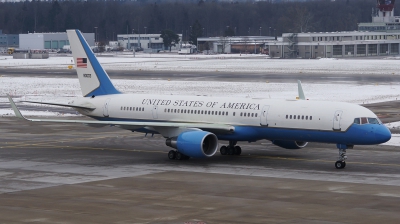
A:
[131,125]
[87,106]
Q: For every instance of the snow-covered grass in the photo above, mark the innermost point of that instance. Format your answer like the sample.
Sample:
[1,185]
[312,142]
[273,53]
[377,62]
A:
[10,113]
[221,63]
[65,88]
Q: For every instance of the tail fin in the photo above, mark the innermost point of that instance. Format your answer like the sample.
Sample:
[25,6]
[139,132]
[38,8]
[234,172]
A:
[92,77]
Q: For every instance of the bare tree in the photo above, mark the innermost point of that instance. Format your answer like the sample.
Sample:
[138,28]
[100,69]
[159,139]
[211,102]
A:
[302,19]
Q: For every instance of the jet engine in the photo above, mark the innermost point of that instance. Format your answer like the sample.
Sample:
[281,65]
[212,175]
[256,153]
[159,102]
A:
[196,144]
[290,144]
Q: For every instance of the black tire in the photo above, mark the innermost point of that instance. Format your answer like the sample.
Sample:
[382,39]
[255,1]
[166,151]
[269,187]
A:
[179,156]
[340,164]
[231,150]
[171,154]
[223,150]
[238,150]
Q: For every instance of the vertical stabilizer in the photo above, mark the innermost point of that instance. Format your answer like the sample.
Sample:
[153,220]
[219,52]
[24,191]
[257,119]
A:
[300,89]
[93,79]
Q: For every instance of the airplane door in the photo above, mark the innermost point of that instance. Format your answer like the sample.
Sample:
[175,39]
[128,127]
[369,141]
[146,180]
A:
[336,120]
[154,110]
[105,108]
[264,116]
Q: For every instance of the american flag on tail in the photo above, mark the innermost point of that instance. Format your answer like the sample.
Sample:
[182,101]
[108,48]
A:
[81,62]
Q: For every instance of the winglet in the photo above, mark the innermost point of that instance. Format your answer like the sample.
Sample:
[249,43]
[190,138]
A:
[301,93]
[14,107]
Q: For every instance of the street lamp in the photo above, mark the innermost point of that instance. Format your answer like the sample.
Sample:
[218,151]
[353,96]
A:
[133,31]
[95,34]
[235,30]
[145,30]
[260,30]
[269,31]
[249,31]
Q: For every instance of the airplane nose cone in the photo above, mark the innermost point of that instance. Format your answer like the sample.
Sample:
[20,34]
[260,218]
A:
[382,134]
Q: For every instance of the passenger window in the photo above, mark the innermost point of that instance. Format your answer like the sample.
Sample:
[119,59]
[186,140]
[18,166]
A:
[130,108]
[298,117]
[223,112]
[121,108]
[310,117]
[191,111]
[240,113]
[142,108]
[256,114]
[356,120]
[212,112]
[364,120]
[124,108]
[216,113]
[175,111]
[306,117]
[198,112]
[226,114]
[290,116]
[165,110]
[234,113]
[209,112]
[168,110]
[287,116]
[137,108]
[252,114]
[202,112]
[244,114]
[302,117]
[194,111]
[294,117]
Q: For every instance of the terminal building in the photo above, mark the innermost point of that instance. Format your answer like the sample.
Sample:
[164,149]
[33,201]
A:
[8,40]
[150,43]
[49,41]
[379,38]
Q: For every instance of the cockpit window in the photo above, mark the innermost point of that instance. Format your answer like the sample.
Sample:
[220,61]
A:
[366,120]
[373,121]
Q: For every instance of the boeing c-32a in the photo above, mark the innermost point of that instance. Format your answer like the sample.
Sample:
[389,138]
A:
[193,124]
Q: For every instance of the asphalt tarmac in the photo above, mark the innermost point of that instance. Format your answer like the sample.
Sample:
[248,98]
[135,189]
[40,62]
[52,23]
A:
[64,173]
[52,173]
[213,76]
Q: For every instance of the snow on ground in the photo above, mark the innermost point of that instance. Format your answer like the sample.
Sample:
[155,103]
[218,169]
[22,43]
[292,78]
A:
[220,63]
[394,141]
[10,113]
[63,89]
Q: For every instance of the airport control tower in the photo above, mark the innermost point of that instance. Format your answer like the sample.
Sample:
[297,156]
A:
[383,19]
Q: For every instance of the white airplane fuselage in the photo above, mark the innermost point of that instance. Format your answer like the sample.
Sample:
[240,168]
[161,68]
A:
[253,119]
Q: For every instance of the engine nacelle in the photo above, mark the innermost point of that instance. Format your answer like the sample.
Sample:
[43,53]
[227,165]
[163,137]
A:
[196,144]
[290,144]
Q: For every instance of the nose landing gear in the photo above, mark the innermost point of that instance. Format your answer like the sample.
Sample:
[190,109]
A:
[341,162]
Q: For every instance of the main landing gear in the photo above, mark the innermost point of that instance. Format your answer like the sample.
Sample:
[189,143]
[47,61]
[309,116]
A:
[173,154]
[231,149]
[341,162]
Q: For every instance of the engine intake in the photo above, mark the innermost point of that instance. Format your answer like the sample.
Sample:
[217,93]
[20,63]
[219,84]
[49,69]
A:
[196,144]
[290,144]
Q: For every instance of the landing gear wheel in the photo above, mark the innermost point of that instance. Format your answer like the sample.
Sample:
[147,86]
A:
[223,150]
[179,156]
[171,154]
[340,164]
[237,150]
[231,150]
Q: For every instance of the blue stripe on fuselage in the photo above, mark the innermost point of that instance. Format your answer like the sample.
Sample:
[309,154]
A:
[365,134]
[106,87]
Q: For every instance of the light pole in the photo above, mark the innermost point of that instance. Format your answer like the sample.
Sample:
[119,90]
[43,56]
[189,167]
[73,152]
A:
[95,34]
[269,31]
[260,30]
[249,31]
[235,30]
[145,30]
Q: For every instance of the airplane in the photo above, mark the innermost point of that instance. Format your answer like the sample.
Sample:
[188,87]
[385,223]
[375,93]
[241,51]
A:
[193,125]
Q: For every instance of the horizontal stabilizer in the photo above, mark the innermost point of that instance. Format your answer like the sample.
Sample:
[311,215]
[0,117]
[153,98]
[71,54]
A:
[87,106]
